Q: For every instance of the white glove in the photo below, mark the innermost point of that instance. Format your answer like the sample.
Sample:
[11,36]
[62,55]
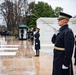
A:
[64,67]
[36,43]
[56,32]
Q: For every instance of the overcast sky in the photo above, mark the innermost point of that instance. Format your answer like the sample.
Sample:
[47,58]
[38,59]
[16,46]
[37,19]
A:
[69,6]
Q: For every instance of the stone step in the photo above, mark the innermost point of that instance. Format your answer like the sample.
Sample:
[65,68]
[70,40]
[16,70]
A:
[1,49]
[9,45]
[7,53]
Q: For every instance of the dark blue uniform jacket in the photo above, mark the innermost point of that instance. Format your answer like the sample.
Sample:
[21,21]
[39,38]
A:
[64,39]
[75,50]
[37,41]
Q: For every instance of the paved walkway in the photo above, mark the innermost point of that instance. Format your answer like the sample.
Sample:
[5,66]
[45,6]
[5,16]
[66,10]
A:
[22,61]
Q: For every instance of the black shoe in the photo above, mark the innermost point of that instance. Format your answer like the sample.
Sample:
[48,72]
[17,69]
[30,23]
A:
[36,55]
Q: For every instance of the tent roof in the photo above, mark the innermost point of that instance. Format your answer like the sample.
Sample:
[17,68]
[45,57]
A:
[22,26]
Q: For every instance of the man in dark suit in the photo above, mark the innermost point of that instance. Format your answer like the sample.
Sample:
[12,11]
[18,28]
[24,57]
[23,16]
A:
[63,47]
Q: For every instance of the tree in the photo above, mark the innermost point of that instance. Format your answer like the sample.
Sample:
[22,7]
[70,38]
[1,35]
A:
[57,10]
[40,10]
[43,10]
[26,17]
[13,12]
[6,9]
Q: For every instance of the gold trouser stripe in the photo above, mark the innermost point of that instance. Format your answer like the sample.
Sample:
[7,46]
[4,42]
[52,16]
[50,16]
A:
[58,48]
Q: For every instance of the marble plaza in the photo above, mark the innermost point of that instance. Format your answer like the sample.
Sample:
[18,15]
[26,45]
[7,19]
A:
[17,58]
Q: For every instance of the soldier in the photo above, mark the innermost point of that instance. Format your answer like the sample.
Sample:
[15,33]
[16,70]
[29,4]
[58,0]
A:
[37,41]
[75,52]
[63,47]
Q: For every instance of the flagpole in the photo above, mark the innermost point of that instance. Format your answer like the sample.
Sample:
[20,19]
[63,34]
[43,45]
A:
[45,22]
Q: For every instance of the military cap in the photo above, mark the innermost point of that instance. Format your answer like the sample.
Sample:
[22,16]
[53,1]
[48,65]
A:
[63,15]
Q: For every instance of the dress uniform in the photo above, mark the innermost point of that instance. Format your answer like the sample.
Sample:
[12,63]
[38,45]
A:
[37,41]
[63,48]
[75,52]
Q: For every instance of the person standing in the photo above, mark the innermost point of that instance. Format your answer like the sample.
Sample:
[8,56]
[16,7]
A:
[28,34]
[22,33]
[63,47]
[37,42]
[75,52]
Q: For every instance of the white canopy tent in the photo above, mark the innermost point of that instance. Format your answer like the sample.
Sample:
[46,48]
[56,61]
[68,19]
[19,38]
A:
[46,31]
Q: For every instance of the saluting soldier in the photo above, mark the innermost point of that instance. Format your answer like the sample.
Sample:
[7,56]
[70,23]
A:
[37,42]
[63,47]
